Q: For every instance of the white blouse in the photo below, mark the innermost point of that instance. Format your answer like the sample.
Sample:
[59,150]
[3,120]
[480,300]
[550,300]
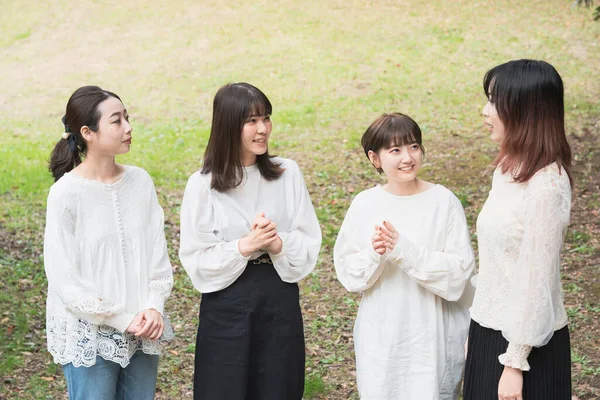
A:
[105,257]
[212,223]
[520,232]
[413,318]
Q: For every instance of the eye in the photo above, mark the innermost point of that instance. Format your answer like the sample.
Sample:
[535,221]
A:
[415,147]
[267,117]
[117,121]
[127,118]
[394,150]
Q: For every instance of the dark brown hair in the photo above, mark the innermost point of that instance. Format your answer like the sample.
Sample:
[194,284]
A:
[391,130]
[529,98]
[82,110]
[233,104]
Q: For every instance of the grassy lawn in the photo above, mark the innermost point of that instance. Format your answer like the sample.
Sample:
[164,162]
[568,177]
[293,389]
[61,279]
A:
[329,68]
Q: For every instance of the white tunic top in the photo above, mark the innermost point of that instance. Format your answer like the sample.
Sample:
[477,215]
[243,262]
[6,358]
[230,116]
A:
[105,257]
[212,223]
[520,231]
[413,318]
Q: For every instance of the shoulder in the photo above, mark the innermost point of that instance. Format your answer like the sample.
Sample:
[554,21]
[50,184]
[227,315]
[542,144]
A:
[138,174]
[67,187]
[290,166]
[366,197]
[446,196]
[549,179]
[198,182]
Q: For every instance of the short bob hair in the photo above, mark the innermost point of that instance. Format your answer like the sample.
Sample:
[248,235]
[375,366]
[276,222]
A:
[391,130]
[233,104]
[529,98]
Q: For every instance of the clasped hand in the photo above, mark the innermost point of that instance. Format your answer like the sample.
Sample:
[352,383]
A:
[147,324]
[385,238]
[262,237]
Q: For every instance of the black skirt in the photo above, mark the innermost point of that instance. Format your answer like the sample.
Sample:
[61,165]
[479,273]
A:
[548,379]
[250,343]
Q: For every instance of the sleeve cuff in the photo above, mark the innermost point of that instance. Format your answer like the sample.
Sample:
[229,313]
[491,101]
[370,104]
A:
[399,254]
[156,302]
[237,251]
[281,254]
[120,321]
[516,357]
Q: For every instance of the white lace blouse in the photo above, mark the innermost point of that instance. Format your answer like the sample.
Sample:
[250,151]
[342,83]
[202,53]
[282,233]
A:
[520,231]
[105,257]
[212,223]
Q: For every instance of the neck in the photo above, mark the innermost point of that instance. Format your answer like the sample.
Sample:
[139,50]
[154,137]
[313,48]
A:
[403,188]
[248,159]
[99,167]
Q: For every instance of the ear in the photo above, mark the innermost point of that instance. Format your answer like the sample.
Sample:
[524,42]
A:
[374,158]
[87,134]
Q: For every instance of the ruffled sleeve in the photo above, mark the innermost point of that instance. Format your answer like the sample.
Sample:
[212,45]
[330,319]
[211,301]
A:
[302,241]
[446,272]
[535,289]
[357,265]
[61,258]
[211,262]
[161,273]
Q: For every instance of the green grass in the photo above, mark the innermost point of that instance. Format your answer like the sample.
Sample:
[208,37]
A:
[329,72]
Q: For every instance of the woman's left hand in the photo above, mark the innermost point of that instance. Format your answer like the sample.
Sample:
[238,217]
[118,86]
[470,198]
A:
[153,325]
[511,384]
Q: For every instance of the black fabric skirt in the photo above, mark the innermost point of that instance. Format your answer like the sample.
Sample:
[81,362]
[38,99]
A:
[548,379]
[250,343]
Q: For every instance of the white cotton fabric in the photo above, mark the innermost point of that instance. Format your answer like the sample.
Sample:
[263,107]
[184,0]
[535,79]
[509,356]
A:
[212,223]
[521,230]
[105,257]
[413,318]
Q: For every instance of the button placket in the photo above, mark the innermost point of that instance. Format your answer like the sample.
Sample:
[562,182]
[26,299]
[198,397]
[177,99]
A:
[119,226]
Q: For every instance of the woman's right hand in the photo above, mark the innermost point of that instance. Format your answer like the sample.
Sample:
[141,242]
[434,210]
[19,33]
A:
[378,242]
[136,325]
[263,234]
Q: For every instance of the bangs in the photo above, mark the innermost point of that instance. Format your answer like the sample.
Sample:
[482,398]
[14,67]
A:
[399,139]
[488,83]
[397,132]
[260,106]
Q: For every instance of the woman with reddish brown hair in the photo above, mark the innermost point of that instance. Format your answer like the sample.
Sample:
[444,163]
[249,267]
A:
[518,344]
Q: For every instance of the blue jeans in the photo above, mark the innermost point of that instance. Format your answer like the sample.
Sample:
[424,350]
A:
[107,380]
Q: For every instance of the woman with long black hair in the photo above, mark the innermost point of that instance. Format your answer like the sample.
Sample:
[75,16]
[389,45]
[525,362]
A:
[249,233]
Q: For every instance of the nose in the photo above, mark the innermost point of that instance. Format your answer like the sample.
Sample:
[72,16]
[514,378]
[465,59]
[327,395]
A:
[404,154]
[128,127]
[261,127]
[485,111]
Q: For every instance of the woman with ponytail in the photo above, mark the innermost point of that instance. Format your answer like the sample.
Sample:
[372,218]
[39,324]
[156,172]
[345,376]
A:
[105,257]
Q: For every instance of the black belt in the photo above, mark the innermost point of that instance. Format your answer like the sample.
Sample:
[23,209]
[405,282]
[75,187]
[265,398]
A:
[262,259]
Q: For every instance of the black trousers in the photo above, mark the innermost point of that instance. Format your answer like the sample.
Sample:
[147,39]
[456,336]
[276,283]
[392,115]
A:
[250,343]
[548,379]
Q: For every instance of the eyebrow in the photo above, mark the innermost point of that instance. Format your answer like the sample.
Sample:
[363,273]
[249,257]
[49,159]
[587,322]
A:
[118,113]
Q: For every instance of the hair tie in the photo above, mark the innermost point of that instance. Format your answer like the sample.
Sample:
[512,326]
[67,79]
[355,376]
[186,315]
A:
[72,143]
[67,132]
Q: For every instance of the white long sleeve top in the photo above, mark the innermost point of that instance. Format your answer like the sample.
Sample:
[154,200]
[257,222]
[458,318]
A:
[212,223]
[520,231]
[413,317]
[105,257]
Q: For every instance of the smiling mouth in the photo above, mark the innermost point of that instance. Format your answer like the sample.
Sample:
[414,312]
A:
[409,168]
[259,141]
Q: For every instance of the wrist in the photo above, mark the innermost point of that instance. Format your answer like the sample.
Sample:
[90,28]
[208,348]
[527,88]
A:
[244,247]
